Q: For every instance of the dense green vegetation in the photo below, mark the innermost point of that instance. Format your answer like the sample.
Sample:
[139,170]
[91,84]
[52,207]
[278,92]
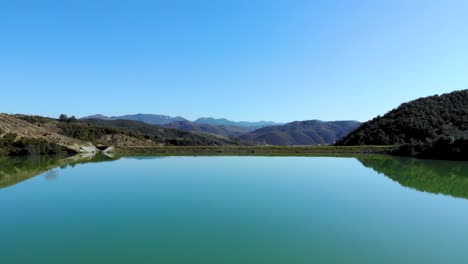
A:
[10,145]
[312,132]
[33,119]
[416,122]
[431,127]
[86,132]
[433,176]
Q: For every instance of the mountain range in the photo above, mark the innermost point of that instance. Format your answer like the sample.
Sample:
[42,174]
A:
[164,119]
[147,118]
[313,132]
[225,122]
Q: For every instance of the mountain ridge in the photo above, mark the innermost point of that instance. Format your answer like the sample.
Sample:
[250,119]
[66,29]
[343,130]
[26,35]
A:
[147,118]
[310,132]
[226,122]
[228,131]
[156,119]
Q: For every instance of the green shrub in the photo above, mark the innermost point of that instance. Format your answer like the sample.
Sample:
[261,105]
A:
[28,146]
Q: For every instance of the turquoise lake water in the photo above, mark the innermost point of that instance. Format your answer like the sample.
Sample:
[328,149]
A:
[235,210]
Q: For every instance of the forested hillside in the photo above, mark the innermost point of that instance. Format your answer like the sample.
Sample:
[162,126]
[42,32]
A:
[430,127]
[418,121]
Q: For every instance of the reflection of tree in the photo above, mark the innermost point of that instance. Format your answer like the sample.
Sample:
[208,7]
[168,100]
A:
[51,174]
[434,176]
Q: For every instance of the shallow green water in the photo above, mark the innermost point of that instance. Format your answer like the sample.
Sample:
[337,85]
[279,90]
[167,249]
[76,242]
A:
[234,210]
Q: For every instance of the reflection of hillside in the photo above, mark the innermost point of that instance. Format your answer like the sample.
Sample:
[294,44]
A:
[16,170]
[434,176]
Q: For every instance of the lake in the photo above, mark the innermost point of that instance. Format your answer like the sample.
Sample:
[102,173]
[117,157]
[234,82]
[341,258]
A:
[366,209]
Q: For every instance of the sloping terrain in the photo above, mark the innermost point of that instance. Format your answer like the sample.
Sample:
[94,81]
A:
[36,135]
[227,131]
[312,132]
[162,135]
[23,129]
[423,120]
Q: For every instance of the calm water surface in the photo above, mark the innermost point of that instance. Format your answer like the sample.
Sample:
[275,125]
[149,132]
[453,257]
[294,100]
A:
[234,210]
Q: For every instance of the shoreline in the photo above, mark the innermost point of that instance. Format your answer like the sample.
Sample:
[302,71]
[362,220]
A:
[251,150]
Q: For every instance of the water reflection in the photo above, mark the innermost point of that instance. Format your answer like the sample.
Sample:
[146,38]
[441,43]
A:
[432,176]
[52,175]
[18,169]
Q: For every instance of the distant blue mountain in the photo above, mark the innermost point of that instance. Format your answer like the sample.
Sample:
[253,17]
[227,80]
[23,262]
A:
[164,120]
[226,122]
[146,118]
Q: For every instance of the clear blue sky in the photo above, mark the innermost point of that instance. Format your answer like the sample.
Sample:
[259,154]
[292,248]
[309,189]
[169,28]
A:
[243,60]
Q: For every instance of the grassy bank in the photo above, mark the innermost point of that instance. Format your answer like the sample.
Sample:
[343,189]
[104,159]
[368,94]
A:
[253,150]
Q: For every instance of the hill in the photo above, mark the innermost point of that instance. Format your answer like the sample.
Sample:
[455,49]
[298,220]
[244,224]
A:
[430,127]
[18,136]
[225,122]
[162,135]
[36,135]
[147,118]
[313,132]
[227,131]
[417,121]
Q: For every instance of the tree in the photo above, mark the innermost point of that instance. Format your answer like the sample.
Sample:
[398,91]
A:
[71,119]
[63,118]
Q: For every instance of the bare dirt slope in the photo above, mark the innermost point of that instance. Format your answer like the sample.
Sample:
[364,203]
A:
[10,124]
